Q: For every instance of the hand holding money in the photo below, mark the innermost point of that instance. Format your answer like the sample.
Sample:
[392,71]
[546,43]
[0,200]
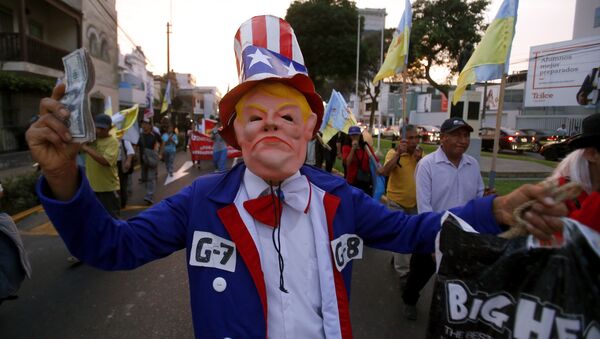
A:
[51,145]
[80,78]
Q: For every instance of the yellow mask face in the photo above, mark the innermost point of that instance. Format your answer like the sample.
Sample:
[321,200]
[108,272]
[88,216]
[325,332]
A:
[273,126]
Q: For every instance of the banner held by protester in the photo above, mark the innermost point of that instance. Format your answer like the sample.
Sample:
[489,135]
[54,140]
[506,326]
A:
[201,147]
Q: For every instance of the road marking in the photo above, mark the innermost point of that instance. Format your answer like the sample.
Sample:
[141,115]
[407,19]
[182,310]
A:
[181,172]
[44,229]
[133,208]
[22,215]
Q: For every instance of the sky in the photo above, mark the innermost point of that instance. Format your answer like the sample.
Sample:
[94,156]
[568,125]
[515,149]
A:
[201,42]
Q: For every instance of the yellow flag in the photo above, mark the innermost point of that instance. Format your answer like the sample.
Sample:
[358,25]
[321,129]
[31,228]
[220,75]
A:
[124,119]
[491,57]
[167,98]
[397,54]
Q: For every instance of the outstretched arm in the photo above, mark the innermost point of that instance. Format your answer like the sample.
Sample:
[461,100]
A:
[50,144]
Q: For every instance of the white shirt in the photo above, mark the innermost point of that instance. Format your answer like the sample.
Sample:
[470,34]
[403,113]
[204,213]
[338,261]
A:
[441,185]
[298,313]
[128,149]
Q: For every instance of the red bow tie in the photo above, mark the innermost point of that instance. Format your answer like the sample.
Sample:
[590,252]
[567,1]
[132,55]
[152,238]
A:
[267,209]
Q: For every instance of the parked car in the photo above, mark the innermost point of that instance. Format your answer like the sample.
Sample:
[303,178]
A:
[556,150]
[541,137]
[509,139]
[428,134]
[391,132]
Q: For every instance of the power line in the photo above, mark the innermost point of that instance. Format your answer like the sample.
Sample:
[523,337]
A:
[115,21]
[575,51]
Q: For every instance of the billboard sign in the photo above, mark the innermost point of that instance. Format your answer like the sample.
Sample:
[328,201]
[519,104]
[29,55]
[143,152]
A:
[558,70]
[493,96]
[424,103]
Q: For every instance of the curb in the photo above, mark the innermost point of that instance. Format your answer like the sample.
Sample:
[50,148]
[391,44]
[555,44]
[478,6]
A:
[518,175]
[22,215]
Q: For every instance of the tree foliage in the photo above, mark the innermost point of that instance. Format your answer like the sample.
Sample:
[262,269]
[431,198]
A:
[370,65]
[443,31]
[326,31]
[13,82]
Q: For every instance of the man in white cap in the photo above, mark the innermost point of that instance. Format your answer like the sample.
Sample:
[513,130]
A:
[270,242]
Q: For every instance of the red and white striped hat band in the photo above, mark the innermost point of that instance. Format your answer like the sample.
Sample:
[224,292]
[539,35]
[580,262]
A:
[270,32]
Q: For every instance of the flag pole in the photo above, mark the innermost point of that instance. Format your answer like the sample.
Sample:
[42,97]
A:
[492,176]
[404,76]
[356,101]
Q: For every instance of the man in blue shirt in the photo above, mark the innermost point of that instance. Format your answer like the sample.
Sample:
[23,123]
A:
[169,139]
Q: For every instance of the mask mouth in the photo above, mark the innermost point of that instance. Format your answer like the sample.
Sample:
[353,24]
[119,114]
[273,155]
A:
[273,140]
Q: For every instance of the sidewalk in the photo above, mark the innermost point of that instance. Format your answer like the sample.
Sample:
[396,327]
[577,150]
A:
[35,221]
[514,169]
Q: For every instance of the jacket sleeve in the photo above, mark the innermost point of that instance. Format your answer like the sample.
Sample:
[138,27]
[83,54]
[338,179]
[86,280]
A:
[97,239]
[399,232]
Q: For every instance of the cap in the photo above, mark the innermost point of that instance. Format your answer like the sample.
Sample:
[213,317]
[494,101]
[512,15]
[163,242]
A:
[354,130]
[103,121]
[453,124]
[591,133]
[266,49]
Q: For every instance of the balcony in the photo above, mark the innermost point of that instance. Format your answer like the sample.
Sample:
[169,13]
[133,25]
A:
[37,52]
[129,95]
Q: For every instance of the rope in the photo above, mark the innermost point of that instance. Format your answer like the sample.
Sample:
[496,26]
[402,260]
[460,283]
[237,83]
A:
[570,190]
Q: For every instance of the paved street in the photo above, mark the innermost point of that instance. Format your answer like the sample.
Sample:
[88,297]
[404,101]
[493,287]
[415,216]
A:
[63,300]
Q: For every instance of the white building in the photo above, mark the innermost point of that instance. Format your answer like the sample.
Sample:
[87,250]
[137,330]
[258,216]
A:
[185,80]
[134,79]
[201,100]
[587,19]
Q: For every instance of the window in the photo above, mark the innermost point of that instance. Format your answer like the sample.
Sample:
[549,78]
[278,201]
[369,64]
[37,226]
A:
[104,51]
[473,111]
[93,45]
[36,30]
[597,17]
[456,111]
[6,20]
[96,106]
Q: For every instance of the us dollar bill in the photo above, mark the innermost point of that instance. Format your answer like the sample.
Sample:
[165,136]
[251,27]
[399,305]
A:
[79,78]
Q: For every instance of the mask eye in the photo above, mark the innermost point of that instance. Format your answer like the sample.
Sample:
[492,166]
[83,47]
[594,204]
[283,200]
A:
[254,118]
[288,117]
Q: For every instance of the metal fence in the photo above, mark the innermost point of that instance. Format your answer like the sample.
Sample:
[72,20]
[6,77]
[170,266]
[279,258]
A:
[553,122]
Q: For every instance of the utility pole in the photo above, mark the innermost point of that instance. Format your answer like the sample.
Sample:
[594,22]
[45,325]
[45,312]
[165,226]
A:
[168,49]
[356,100]
[168,64]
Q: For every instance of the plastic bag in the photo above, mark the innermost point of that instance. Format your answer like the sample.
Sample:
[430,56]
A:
[489,287]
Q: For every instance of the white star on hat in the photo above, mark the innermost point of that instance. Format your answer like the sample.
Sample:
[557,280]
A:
[291,69]
[257,57]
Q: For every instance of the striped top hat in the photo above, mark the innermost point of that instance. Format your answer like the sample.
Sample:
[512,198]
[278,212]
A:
[266,49]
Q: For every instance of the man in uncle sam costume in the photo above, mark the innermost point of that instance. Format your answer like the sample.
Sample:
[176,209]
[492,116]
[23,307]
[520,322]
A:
[270,243]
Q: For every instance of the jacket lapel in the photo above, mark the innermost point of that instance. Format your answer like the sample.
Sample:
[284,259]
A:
[230,217]
[331,204]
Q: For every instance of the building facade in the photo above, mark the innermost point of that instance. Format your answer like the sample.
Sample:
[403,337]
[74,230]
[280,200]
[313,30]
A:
[34,36]
[587,19]
[136,83]
[100,39]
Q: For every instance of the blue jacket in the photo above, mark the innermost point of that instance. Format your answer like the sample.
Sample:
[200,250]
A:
[206,208]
